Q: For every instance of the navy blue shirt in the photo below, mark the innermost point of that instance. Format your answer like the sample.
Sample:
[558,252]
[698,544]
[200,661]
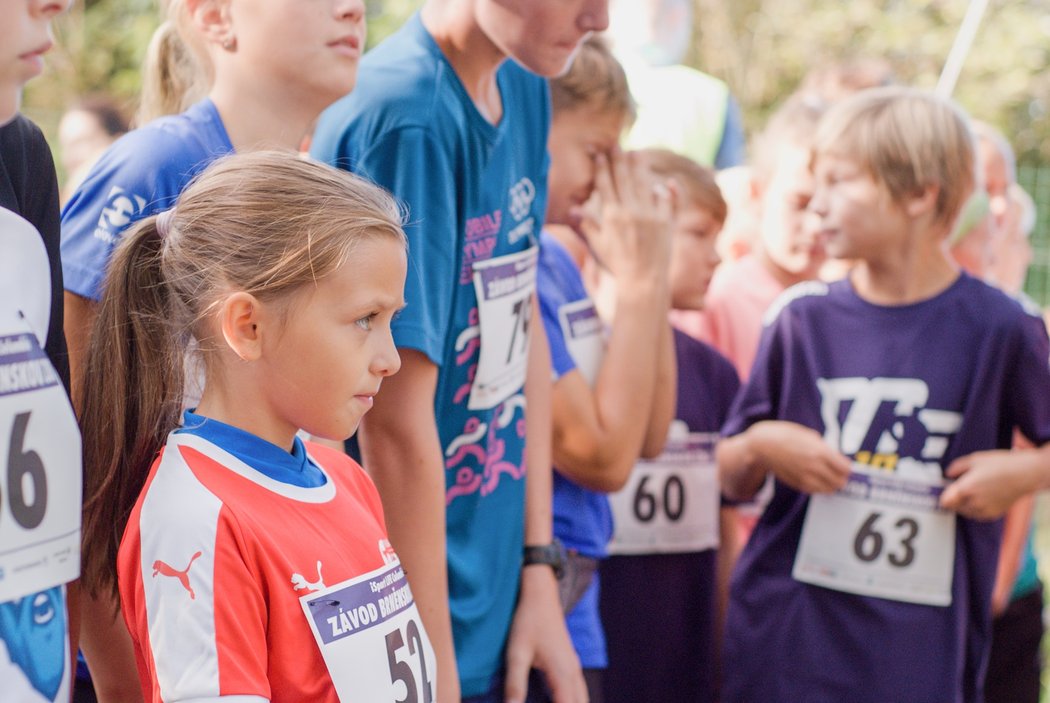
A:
[969,352]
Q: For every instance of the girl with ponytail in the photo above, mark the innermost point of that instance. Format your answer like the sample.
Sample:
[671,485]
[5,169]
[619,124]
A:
[236,548]
[246,74]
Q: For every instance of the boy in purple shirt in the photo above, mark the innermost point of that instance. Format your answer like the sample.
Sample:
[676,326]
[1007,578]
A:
[867,578]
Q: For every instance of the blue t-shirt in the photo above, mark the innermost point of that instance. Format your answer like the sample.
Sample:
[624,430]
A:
[582,517]
[732,150]
[475,192]
[891,378]
[293,468]
[141,174]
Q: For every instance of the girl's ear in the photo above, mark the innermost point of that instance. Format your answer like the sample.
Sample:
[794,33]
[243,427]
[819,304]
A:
[212,19]
[241,325]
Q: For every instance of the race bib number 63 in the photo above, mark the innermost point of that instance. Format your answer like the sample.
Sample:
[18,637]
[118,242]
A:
[880,536]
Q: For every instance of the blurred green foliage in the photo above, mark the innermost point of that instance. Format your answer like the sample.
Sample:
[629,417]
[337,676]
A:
[762,48]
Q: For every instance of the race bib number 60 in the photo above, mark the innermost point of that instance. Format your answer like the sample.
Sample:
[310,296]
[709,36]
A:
[372,639]
[670,504]
[880,536]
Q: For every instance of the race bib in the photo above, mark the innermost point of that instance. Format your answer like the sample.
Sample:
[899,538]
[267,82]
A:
[880,536]
[582,329]
[504,287]
[40,468]
[372,639]
[670,504]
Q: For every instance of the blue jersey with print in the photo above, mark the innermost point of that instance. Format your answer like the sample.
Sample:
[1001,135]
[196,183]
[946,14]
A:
[143,173]
[582,517]
[969,352]
[474,191]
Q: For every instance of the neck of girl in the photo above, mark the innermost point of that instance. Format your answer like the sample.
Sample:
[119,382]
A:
[471,53]
[917,271]
[255,118]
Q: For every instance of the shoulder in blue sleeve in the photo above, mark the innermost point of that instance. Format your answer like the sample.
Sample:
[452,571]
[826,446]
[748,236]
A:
[142,174]
[732,151]
[558,282]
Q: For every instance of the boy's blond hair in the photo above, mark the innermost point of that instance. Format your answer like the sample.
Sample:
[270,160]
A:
[908,139]
[792,126]
[697,182]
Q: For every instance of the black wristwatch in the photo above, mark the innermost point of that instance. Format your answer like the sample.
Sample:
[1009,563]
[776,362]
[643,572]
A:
[553,555]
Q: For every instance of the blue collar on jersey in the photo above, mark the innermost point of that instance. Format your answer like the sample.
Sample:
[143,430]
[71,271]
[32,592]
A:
[293,468]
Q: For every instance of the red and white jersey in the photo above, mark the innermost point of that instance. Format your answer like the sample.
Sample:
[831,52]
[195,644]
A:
[217,566]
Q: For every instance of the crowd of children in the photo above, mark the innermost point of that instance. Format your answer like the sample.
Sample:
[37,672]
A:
[564,399]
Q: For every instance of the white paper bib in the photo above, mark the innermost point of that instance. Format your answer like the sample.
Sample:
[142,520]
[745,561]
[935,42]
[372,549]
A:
[504,287]
[880,536]
[372,639]
[40,456]
[584,337]
[670,504]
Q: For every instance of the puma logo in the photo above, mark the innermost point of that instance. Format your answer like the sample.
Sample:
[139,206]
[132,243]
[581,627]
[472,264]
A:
[159,567]
[300,583]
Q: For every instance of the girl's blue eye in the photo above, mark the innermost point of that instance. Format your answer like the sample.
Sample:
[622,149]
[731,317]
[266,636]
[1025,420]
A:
[365,322]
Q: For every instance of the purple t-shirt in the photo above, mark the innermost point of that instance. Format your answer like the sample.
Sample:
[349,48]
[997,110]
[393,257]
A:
[971,353]
[668,653]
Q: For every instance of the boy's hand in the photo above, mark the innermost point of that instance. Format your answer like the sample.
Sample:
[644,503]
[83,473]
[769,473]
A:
[628,227]
[538,640]
[799,456]
[988,483]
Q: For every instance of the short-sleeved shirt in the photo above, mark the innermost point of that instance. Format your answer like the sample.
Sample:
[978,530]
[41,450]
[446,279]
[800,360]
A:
[582,518]
[669,653]
[474,193]
[918,385]
[227,536]
[34,633]
[731,321]
[141,174]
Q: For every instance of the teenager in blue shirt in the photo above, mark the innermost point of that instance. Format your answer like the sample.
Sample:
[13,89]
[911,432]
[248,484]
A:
[458,132]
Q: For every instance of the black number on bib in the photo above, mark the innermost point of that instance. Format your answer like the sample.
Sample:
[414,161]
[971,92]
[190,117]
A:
[415,646]
[522,313]
[22,463]
[867,544]
[909,552]
[674,498]
[401,670]
[646,504]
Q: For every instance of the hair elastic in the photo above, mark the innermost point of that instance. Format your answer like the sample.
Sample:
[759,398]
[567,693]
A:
[164,222]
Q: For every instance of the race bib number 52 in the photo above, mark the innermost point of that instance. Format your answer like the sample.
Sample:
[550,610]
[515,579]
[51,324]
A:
[372,639]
